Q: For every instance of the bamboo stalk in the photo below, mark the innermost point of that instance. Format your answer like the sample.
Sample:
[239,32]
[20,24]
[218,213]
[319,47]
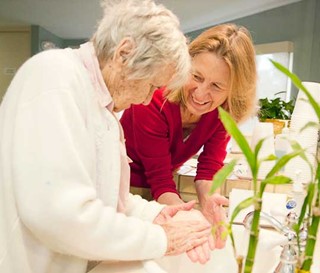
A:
[311,242]
[240,263]
[313,229]
[254,235]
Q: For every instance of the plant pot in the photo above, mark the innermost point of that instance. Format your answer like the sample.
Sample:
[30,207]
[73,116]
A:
[278,124]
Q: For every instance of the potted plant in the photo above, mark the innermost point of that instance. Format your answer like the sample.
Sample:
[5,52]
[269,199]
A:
[311,206]
[272,178]
[276,111]
[310,212]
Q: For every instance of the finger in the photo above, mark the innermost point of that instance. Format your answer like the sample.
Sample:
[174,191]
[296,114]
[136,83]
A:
[193,239]
[221,200]
[211,243]
[196,242]
[187,206]
[194,225]
[221,215]
[193,256]
[207,250]
[202,251]
[197,231]
[220,242]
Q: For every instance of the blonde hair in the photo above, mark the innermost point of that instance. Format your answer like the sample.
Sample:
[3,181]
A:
[156,33]
[234,45]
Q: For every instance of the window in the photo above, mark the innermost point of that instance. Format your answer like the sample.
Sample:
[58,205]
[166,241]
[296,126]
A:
[270,80]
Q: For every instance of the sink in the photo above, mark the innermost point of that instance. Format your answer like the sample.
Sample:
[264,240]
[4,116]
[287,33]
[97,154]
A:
[222,260]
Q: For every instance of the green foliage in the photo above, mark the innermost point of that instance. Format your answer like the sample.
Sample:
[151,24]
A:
[221,176]
[297,82]
[311,206]
[242,205]
[275,109]
[252,157]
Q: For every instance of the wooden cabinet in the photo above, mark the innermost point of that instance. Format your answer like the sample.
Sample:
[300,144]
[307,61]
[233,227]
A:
[15,49]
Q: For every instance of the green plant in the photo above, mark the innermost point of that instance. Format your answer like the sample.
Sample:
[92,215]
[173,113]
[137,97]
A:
[311,204]
[258,188]
[275,109]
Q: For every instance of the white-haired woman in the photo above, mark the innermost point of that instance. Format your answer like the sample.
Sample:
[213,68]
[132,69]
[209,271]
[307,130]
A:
[64,174]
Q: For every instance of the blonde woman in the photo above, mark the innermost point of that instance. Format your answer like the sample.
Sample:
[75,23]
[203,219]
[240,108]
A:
[64,173]
[162,136]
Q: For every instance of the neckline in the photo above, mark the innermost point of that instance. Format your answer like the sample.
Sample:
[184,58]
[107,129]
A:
[195,125]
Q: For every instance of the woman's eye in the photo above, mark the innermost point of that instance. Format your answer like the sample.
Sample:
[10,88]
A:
[196,77]
[215,86]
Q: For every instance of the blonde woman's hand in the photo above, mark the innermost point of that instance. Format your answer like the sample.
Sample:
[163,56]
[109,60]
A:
[212,209]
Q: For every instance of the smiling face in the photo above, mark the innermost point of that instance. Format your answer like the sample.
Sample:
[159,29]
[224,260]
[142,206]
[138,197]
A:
[209,85]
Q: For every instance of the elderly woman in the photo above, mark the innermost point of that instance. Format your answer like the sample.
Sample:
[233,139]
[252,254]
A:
[162,136]
[63,169]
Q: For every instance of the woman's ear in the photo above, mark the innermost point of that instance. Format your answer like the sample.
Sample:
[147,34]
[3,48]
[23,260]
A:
[124,50]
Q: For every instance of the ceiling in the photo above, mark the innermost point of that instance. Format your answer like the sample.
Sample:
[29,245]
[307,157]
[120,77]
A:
[76,19]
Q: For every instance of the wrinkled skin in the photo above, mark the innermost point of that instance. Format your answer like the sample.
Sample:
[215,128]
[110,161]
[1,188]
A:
[184,228]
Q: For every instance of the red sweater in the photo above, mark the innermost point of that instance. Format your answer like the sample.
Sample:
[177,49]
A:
[154,141]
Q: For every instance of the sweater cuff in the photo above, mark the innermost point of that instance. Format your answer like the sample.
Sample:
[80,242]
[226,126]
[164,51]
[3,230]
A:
[158,193]
[162,240]
[154,208]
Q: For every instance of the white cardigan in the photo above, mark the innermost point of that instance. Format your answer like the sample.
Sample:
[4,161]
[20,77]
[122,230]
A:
[59,175]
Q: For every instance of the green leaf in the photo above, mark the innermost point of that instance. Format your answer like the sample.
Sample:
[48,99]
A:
[257,148]
[242,205]
[311,201]
[277,180]
[274,180]
[307,199]
[296,147]
[310,124]
[297,82]
[233,130]
[270,157]
[318,178]
[275,108]
[283,161]
[222,175]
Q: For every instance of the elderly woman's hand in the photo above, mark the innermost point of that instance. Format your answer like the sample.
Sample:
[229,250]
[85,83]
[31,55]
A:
[202,252]
[186,230]
[169,211]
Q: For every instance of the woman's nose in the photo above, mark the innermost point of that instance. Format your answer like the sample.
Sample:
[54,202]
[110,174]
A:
[202,89]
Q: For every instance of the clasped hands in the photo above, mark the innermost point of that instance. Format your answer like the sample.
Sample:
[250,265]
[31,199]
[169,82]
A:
[189,231]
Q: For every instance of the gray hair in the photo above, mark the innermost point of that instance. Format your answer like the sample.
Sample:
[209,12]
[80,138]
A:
[155,31]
